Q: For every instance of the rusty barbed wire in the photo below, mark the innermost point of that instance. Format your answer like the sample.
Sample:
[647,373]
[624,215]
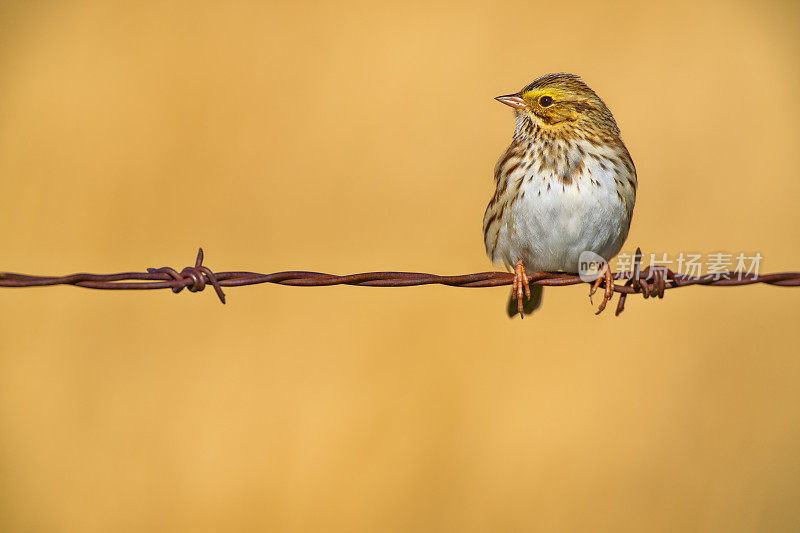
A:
[649,282]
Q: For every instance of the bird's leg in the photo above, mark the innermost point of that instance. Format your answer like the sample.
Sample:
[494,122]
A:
[520,284]
[603,275]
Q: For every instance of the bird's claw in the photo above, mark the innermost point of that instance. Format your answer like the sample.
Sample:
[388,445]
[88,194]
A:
[603,275]
[520,285]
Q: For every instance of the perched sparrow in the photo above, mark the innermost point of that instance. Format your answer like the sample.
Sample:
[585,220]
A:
[565,185]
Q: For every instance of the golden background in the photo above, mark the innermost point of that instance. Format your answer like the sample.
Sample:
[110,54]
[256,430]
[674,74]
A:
[347,137]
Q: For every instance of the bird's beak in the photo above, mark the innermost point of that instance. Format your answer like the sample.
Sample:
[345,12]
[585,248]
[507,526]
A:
[513,100]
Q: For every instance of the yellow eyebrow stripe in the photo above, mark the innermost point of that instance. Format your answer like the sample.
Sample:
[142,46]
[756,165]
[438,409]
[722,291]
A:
[552,92]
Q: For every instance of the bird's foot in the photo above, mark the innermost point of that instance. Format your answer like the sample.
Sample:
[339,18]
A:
[603,275]
[520,284]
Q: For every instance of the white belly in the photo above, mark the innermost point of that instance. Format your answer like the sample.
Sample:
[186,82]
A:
[554,222]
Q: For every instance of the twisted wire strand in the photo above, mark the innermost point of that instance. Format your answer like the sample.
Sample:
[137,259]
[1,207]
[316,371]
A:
[650,283]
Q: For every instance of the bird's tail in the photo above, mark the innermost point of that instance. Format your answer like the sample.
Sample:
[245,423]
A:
[529,305]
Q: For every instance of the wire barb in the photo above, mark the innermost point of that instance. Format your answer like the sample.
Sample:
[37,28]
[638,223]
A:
[650,282]
[197,275]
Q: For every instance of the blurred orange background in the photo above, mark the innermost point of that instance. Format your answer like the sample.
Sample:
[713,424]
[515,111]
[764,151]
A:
[347,137]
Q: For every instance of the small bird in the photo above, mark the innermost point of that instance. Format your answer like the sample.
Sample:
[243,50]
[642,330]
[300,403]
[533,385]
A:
[564,186]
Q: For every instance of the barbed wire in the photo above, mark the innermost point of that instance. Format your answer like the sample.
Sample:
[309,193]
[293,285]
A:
[650,282]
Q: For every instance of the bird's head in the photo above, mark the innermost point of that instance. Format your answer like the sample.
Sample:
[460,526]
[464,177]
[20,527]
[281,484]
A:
[561,101]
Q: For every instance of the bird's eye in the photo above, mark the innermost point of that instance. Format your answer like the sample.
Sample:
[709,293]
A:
[545,101]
